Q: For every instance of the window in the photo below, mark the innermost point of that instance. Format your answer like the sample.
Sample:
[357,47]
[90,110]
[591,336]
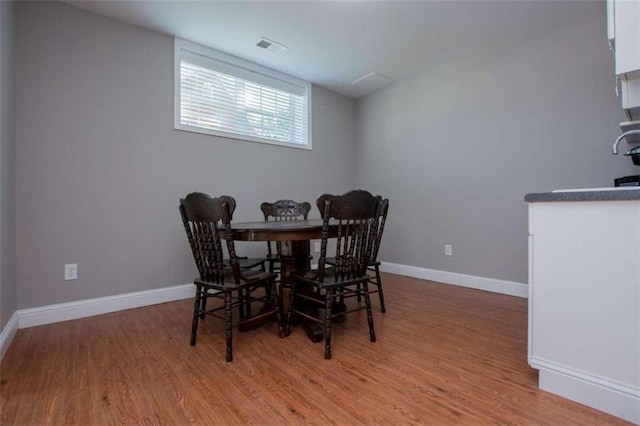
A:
[219,94]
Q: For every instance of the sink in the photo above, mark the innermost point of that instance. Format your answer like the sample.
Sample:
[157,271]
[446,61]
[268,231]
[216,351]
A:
[617,188]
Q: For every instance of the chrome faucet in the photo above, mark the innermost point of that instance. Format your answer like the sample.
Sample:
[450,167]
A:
[614,148]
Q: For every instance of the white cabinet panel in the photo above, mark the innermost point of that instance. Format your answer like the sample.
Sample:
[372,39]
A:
[585,301]
[623,31]
[627,36]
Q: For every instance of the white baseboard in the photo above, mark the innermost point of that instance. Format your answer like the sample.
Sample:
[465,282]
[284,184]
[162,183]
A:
[102,305]
[618,399]
[24,318]
[481,283]
[8,333]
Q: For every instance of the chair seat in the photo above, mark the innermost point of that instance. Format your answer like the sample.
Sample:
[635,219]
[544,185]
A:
[250,277]
[375,280]
[330,279]
[251,262]
[332,261]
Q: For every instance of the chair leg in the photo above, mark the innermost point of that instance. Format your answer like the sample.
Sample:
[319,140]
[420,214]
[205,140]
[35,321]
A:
[328,302]
[341,298]
[241,304]
[380,293]
[269,290]
[292,291]
[367,301]
[229,335]
[203,303]
[276,297]
[196,308]
[247,301]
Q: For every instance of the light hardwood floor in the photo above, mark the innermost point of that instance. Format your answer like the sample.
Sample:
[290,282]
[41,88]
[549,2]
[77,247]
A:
[444,355]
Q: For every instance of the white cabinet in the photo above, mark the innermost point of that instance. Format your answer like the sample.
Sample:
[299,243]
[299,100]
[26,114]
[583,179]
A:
[623,30]
[584,302]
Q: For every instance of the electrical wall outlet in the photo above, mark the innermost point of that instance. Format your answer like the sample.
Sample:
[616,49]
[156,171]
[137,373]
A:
[71,271]
[316,246]
[448,250]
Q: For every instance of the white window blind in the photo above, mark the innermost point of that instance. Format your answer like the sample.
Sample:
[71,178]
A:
[226,96]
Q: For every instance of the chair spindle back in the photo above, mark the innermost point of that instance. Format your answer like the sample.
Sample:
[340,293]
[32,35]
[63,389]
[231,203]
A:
[284,210]
[201,215]
[358,216]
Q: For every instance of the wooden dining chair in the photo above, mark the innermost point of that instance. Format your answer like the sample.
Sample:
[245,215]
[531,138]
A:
[374,264]
[281,210]
[354,219]
[203,218]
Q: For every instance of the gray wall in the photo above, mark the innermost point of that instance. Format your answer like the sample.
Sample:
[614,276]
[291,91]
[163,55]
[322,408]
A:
[457,149]
[8,289]
[100,168]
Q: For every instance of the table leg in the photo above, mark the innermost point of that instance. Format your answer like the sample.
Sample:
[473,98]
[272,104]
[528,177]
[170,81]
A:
[294,257]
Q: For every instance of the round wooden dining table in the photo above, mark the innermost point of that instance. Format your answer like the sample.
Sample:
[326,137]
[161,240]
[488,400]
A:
[294,238]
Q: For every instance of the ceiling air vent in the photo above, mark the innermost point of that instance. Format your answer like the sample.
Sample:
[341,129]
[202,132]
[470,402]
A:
[270,45]
[370,83]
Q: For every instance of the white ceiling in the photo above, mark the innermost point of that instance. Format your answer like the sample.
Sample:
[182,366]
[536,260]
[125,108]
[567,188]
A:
[333,43]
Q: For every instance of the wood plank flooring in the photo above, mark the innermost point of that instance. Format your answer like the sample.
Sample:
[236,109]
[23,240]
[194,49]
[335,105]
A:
[444,355]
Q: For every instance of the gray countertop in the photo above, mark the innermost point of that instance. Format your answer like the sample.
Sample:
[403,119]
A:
[589,194]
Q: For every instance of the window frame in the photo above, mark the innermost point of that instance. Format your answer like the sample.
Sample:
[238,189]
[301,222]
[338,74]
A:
[229,62]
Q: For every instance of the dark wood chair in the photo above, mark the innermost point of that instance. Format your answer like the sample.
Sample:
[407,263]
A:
[355,219]
[203,217]
[282,210]
[374,265]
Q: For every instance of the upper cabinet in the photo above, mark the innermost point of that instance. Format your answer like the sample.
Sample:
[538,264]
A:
[623,30]
[624,34]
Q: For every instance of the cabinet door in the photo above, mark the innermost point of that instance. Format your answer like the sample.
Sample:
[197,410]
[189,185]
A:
[626,27]
[585,289]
